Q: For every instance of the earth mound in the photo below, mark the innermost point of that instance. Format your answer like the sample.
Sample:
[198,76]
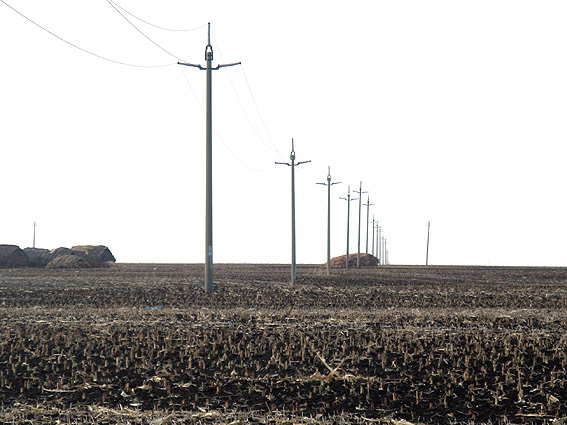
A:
[366,260]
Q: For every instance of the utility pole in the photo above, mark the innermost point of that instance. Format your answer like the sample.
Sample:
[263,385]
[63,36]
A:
[34,226]
[427,251]
[386,252]
[360,192]
[372,234]
[348,199]
[328,184]
[293,165]
[382,259]
[209,163]
[368,204]
[375,230]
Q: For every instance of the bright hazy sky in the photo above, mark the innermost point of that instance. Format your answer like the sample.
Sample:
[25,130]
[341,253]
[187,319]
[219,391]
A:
[452,112]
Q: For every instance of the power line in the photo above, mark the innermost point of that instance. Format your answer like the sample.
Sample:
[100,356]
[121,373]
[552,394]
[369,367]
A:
[153,25]
[80,48]
[244,109]
[217,133]
[140,31]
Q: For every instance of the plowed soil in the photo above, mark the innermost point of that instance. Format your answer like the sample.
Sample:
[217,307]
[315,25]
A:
[420,344]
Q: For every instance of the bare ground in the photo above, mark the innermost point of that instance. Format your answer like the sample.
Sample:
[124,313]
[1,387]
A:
[145,344]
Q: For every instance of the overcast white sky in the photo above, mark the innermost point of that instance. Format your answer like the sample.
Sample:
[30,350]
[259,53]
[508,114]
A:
[448,111]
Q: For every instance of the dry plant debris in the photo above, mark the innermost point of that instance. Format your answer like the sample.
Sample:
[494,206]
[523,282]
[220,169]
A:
[145,344]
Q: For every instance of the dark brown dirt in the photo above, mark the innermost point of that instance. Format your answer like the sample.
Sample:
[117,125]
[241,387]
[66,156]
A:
[423,344]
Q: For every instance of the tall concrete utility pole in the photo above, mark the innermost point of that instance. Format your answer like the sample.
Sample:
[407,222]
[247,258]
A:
[368,204]
[348,199]
[360,192]
[427,251]
[209,163]
[293,165]
[34,226]
[328,184]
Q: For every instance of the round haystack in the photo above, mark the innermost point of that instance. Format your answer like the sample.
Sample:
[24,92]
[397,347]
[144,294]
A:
[38,257]
[69,262]
[58,252]
[366,260]
[13,256]
[94,254]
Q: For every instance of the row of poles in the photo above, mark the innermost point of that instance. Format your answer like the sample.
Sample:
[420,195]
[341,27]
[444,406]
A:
[209,191]
[381,245]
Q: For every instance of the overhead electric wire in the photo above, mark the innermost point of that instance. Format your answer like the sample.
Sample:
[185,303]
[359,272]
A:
[140,31]
[80,48]
[215,130]
[153,25]
[273,147]
[258,110]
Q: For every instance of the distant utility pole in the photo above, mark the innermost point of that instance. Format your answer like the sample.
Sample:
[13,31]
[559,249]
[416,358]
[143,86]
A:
[34,226]
[427,251]
[209,163]
[382,246]
[385,252]
[348,199]
[292,165]
[368,204]
[377,239]
[360,192]
[372,234]
[328,184]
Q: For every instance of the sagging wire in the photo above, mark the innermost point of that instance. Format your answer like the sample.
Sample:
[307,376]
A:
[153,25]
[111,3]
[215,130]
[80,48]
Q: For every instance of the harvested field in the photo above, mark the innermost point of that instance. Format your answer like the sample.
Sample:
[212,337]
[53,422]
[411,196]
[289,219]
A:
[145,344]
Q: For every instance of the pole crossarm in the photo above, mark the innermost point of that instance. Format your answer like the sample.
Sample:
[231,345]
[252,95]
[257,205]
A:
[201,67]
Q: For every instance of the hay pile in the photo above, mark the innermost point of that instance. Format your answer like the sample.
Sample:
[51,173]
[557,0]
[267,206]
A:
[99,254]
[366,260]
[13,256]
[38,257]
[93,255]
[69,262]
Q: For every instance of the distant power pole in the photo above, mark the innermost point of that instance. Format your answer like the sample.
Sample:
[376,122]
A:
[375,230]
[386,252]
[373,235]
[368,204]
[360,192]
[427,251]
[293,165]
[328,184]
[34,226]
[348,199]
[209,163]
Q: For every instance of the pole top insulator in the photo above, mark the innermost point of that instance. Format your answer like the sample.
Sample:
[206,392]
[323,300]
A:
[292,154]
[209,48]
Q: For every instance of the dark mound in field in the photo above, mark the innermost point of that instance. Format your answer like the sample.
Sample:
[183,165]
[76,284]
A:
[38,257]
[13,256]
[366,260]
[94,253]
[69,262]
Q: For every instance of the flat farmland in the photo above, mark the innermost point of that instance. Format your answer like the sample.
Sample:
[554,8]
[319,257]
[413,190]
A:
[143,343]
